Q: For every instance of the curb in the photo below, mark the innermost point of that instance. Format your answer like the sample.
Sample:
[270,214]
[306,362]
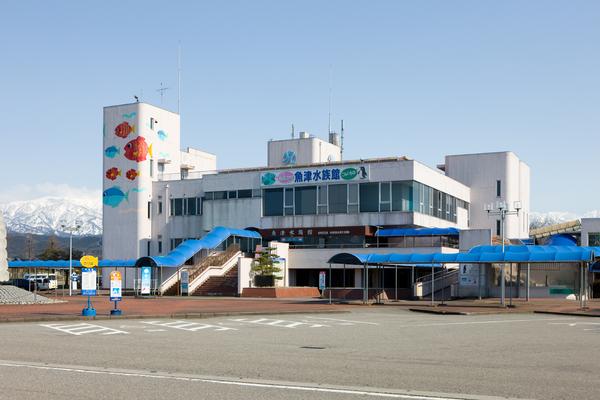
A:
[155,316]
[567,313]
[439,312]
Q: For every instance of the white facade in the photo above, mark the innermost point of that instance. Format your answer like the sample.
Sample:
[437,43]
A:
[590,231]
[494,177]
[304,150]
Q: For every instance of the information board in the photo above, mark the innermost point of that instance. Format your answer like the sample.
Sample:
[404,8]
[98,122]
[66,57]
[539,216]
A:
[115,286]
[322,280]
[185,281]
[146,280]
[88,281]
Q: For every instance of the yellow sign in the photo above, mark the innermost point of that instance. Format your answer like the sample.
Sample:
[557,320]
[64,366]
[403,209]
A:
[115,276]
[89,261]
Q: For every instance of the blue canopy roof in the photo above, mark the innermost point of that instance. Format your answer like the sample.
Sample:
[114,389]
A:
[187,249]
[477,255]
[417,232]
[174,259]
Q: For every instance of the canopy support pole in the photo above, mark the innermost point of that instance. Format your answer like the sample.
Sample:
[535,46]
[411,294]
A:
[527,281]
[396,283]
[581,286]
[480,278]
[329,283]
[365,285]
[412,281]
[432,286]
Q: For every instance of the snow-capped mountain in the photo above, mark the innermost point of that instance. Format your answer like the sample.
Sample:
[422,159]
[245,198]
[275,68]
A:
[46,215]
[541,219]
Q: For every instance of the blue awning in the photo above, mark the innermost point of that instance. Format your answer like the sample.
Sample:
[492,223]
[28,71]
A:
[417,232]
[64,264]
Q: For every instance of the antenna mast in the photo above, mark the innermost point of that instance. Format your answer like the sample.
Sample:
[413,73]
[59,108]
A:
[342,142]
[162,92]
[330,95]
[292,131]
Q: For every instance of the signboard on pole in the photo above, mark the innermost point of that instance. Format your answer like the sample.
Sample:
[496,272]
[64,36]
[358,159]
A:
[88,281]
[146,280]
[185,282]
[115,286]
[322,280]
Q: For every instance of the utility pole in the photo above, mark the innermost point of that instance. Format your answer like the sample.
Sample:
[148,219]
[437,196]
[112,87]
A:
[501,209]
[71,229]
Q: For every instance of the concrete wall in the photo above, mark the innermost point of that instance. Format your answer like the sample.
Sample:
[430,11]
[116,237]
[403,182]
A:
[304,150]
[480,172]
[3,252]
[589,225]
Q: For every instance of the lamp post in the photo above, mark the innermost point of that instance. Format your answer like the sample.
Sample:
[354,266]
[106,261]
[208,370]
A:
[71,229]
[501,209]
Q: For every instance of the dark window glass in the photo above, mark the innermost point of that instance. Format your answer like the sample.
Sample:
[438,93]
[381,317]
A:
[272,202]
[149,209]
[148,248]
[160,207]
[232,194]
[497,227]
[338,198]
[159,247]
[498,188]
[369,197]
[245,193]
[191,208]
[209,195]
[178,207]
[305,200]
[220,195]
[402,194]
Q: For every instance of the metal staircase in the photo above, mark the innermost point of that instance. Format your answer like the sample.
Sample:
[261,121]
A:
[442,282]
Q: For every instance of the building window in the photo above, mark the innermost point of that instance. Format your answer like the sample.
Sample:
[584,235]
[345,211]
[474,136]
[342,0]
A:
[498,188]
[288,201]
[232,194]
[322,199]
[338,199]
[220,195]
[353,198]
[402,196]
[191,206]
[184,173]
[369,197]
[176,206]
[148,248]
[176,242]
[594,239]
[151,168]
[149,209]
[244,193]
[498,227]
[161,167]
[160,207]
[159,247]
[385,196]
[152,121]
[272,202]
[305,200]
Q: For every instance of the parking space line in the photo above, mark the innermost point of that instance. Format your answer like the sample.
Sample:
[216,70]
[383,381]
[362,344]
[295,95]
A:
[84,329]
[280,323]
[345,320]
[189,326]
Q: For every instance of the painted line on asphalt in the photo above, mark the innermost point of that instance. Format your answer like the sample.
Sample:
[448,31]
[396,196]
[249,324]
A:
[382,393]
[346,320]
[83,329]
[496,321]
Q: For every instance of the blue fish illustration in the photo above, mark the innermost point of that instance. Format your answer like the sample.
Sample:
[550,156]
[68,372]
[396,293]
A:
[111,152]
[130,115]
[138,190]
[114,196]
[289,157]
[162,135]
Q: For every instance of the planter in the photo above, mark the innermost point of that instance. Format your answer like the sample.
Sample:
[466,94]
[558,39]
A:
[264,281]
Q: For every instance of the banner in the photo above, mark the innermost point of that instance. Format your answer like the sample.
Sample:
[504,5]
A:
[115,286]
[315,175]
[146,280]
[322,277]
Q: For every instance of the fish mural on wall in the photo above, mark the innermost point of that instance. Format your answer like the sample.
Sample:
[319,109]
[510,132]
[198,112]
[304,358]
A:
[138,190]
[111,152]
[124,129]
[113,173]
[130,115]
[132,174]
[137,149]
[113,196]
[162,135]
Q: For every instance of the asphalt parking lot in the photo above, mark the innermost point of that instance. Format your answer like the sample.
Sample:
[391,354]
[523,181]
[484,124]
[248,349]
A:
[376,352]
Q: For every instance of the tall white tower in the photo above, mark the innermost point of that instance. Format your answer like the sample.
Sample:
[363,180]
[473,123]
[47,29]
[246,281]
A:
[3,254]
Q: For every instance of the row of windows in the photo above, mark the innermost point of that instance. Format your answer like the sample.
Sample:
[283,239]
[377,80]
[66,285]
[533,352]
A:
[232,194]
[363,197]
[185,206]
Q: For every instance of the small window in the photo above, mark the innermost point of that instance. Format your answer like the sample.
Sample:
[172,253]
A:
[232,194]
[159,247]
[220,195]
[256,193]
[191,206]
[152,121]
[148,248]
[498,188]
[177,207]
[184,173]
[161,167]
[245,193]
[498,227]
[209,195]
[160,207]
[149,209]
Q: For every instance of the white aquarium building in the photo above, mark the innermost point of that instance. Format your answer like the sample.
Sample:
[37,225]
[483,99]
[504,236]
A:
[157,196]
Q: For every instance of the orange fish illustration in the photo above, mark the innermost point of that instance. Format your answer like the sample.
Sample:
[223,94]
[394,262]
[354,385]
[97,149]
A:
[124,129]
[137,149]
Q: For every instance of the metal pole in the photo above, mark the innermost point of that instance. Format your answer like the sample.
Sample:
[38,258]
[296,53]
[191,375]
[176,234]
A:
[367,280]
[364,283]
[480,278]
[527,281]
[70,260]
[396,283]
[502,283]
[412,281]
[329,283]
[581,285]
[432,286]
[510,288]
[35,284]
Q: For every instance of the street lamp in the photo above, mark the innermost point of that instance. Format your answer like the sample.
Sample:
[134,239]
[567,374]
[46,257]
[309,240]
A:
[71,229]
[502,209]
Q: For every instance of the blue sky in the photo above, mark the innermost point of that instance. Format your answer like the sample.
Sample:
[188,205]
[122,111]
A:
[419,78]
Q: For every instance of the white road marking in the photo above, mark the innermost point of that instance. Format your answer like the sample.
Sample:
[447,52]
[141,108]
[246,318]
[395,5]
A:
[84,329]
[497,321]
[280,323]
[188,326]
[383,393]
[345,321]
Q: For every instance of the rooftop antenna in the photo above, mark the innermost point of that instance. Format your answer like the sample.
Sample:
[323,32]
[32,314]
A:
[162,92]
[178,77]
[330,95]
[292,131]
[342,141]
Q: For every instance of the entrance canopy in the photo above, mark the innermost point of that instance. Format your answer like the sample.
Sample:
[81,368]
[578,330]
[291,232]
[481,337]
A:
[477,255]
[64,264]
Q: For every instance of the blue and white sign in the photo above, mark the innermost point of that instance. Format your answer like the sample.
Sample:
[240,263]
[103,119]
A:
[315,175]
[88,281]
[146,280]
[115,286]
[185,281]
[322,279]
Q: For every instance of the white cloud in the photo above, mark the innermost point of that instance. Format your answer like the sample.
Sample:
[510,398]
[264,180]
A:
[80,195]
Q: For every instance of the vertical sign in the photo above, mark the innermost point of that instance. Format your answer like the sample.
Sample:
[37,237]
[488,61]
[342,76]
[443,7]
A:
[115,286]
[146,280]
[185,281]
[322,280]
[88,281]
